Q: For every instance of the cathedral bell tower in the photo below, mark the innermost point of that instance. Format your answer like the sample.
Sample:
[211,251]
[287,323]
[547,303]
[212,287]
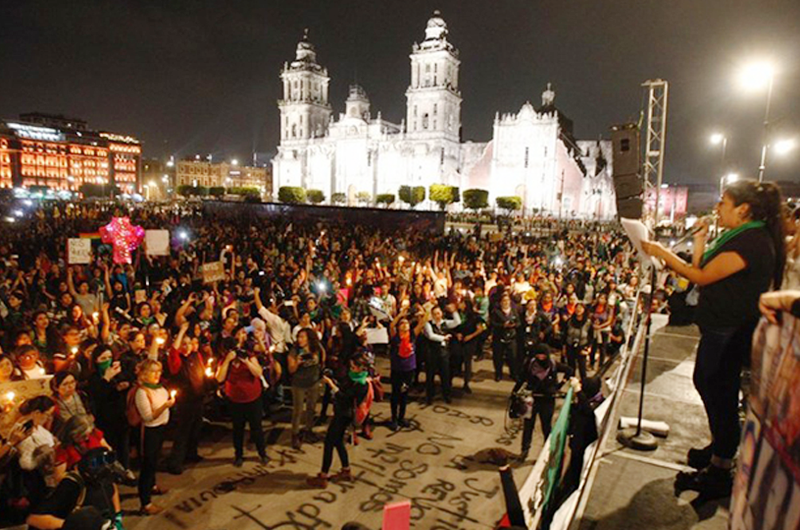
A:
[433,98]
[305,111]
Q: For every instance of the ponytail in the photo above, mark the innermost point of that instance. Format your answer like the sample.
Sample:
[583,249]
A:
[766,203]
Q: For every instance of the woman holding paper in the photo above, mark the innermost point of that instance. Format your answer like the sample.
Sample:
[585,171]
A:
[731,273]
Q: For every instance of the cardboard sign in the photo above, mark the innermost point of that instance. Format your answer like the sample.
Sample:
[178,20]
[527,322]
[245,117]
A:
[79,251]
[139,296]
[157,242]
[213,272]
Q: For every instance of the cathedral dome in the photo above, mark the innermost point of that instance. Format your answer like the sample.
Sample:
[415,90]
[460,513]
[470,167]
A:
[305,50]
[436,28]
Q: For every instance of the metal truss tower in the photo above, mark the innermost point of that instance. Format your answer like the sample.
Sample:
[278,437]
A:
[658,91]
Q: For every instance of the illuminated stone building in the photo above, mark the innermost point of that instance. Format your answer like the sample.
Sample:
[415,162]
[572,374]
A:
[532,154]
[61,153]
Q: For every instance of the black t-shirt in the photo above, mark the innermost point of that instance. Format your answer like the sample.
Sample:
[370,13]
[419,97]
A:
[733,301]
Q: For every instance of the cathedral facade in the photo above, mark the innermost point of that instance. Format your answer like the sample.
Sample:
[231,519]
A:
[532,153]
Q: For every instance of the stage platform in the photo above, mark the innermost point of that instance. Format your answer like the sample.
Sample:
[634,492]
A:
[634,489]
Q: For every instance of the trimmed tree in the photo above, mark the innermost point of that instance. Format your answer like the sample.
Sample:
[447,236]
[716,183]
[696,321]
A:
[292,195]
[216,191]
[247,191]
[476,199]
[444,195]
[363,197]
[509,204]
[338,198]
[411,196]
[385,198]
[315,196]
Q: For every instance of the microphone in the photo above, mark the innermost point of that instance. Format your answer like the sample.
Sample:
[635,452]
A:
[701,223]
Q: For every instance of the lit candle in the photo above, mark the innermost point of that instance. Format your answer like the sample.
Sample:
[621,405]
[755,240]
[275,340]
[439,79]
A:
[173,393]
[74,351]
[159,340]
[96,315]
[209,371]
[10,396]
[41,371]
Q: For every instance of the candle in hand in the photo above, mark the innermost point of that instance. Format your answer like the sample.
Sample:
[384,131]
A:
[173,393]
[10,396]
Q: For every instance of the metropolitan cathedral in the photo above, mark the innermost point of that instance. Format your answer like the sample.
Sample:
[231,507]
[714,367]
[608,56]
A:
[532,154]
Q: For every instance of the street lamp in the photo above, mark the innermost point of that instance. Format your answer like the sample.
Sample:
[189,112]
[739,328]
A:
[235,162]
[720,139]
[784,146]
[755,76]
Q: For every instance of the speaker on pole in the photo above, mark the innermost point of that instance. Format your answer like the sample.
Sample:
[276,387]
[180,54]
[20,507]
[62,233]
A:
[628,186]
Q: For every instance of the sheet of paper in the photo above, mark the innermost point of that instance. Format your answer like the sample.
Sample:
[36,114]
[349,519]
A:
[377,336]
[637,232]
[157,242]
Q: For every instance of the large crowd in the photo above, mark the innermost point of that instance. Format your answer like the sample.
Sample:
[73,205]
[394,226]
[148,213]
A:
[139,353]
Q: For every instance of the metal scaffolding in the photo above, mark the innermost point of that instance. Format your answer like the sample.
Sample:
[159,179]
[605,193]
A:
[655,142]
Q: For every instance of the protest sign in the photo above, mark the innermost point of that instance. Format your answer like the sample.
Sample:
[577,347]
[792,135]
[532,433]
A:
[213,272]
[79,251]
[157,242]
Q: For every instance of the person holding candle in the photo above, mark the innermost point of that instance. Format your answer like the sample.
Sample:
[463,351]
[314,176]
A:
[153,402]
[108,388]
[187,370]
[27,363]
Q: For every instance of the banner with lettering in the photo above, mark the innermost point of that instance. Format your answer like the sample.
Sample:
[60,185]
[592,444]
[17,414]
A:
[766,491]
[536,495]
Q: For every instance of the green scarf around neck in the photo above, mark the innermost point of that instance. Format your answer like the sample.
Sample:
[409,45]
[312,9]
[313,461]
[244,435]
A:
[152,386]
[358,377]
[718,242]
[103,366]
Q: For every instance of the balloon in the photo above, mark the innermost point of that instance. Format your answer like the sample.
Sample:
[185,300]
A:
[124,237]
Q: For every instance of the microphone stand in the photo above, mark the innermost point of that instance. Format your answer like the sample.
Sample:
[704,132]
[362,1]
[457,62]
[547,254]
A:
[636,438]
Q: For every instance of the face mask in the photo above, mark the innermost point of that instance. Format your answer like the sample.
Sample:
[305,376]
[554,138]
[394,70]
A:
[102,366]
[358,377]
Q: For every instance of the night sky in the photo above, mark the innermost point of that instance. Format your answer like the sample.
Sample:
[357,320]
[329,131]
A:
[201,76]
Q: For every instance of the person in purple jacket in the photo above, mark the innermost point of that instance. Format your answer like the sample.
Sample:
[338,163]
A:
[404,361]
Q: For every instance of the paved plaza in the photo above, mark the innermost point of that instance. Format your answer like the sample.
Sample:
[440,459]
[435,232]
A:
[440,464]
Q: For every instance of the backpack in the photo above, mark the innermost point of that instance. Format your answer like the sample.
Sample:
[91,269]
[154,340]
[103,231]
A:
[131,410]
[362,409]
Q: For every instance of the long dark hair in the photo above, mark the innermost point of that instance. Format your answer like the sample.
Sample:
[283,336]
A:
[765,201]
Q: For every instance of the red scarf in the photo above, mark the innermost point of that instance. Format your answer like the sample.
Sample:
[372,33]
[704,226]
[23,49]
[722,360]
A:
[406,349]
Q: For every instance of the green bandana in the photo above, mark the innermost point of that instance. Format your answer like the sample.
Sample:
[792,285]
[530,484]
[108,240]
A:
[103,366]
[718,242]
[358,377]
[152,386]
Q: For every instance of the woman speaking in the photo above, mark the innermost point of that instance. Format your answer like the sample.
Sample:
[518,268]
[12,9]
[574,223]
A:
[732,273]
